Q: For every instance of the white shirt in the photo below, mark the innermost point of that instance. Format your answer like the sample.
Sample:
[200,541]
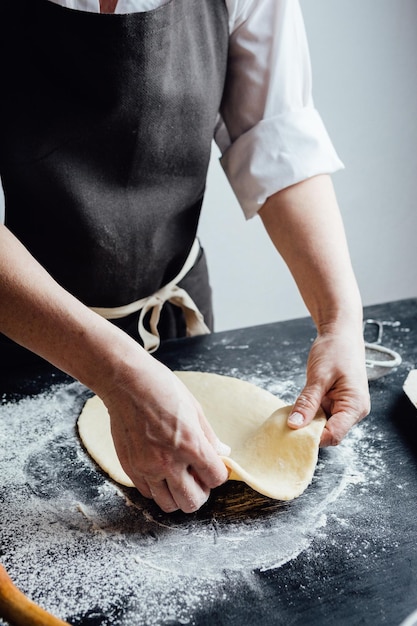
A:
[269,133]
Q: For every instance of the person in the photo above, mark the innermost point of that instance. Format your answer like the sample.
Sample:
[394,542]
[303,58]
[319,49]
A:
[108,112]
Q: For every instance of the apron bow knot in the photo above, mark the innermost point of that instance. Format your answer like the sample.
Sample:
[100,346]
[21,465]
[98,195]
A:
[194,320]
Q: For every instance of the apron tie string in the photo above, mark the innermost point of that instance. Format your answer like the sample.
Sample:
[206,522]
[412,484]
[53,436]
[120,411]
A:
[194,320]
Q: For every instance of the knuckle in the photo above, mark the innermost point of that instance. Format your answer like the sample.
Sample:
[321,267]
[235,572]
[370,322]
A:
[142,487]
[212,474]
[331,437]
[306,402]
[192,444]
[167,508]
[159,467]
[192,507]
[218,478]
[361,410]
[195,504]
[335,439]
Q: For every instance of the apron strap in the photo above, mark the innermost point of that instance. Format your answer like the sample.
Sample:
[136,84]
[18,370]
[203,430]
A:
[194,320]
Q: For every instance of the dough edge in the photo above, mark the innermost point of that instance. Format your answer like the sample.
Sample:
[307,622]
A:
[94,430]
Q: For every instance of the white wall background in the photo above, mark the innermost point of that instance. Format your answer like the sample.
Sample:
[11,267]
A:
[364,57]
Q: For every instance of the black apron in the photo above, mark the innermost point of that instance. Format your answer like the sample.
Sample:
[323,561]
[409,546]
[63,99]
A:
[106,124]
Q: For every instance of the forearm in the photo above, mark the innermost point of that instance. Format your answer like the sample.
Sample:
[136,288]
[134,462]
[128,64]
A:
[161,436]
[38,314]
[305,226]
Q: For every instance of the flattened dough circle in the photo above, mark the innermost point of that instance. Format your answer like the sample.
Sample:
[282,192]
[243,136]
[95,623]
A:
[267,455]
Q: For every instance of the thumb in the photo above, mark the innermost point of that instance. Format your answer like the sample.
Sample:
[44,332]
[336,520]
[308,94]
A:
[305,407]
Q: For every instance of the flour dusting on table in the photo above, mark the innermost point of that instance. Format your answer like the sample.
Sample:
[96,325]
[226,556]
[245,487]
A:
[85,549]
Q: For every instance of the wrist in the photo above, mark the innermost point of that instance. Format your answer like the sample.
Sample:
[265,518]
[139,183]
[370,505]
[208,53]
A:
[96,352]
[345,312]
[116,360]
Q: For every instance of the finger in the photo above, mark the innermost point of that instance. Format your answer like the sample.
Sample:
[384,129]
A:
[337,427]
[204,457]
[163,496]
[221,448]
[188,492]
[137,479]
[305,407]
[142,486]
[208,468]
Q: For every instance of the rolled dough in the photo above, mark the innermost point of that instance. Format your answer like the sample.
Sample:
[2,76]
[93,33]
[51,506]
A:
[271,458]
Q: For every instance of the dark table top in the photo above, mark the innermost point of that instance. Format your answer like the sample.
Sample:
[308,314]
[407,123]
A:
[345,552]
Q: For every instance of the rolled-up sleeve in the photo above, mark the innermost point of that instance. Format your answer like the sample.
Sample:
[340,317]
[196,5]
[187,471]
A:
[270,134]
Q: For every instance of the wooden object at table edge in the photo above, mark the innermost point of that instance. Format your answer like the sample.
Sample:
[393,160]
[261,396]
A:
[17,610]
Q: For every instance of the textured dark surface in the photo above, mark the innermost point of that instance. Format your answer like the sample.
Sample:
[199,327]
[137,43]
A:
[361,571]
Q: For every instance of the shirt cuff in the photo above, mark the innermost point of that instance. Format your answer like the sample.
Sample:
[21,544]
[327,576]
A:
[276,153]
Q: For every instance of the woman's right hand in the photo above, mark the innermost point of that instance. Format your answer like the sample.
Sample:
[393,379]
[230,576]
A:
[162,438]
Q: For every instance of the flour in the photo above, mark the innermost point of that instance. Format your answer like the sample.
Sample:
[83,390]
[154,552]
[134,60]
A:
[84,548]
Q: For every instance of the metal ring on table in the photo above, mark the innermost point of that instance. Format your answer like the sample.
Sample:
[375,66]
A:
[377,367]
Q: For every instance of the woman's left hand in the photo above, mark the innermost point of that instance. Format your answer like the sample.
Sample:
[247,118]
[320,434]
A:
[336,382]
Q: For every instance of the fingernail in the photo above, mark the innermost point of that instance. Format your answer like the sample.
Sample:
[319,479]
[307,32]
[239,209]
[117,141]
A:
[222,448]
[296,419]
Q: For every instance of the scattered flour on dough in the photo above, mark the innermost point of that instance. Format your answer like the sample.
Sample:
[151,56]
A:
[81,547]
